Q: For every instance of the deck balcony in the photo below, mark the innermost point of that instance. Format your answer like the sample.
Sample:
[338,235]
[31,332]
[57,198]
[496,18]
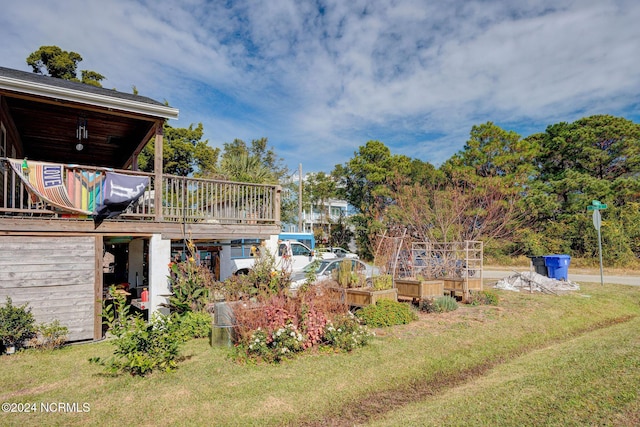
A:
[204,206]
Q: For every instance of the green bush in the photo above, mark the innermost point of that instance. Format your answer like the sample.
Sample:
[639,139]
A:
[194,324]
[387,313]
[140,347]
[439,305]
[16,324]
[346,333]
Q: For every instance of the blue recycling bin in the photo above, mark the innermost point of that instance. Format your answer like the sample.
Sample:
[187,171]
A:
[558,266]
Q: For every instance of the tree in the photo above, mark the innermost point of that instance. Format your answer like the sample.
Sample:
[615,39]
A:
[61,64]
[483,186]
[601,146]
[268,168]
[494,152]
[594,158]
[243,167]
[320,188]
[367,181]
[183,154]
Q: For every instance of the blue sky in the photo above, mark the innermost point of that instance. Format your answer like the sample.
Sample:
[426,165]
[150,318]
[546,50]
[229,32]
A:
[321,78]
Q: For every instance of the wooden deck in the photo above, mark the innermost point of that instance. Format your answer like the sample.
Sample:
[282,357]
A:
[201,207]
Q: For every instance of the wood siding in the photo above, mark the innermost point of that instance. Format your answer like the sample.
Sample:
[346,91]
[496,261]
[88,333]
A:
[55,275]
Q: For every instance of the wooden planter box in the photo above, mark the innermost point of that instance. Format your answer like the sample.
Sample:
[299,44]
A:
[360,297]
[419,289]
[457,285]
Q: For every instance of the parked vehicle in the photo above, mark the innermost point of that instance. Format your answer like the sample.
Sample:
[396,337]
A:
[336,252]
[307,239]
[325,268]
[291,255]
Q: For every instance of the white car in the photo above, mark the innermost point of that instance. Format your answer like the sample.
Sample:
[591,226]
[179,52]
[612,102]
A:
[325,268]
[335,252]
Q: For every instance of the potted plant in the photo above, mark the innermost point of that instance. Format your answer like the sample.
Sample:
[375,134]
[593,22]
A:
[16,325]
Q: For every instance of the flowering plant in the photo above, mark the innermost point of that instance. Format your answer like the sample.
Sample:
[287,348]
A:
[276,345]
[346,333]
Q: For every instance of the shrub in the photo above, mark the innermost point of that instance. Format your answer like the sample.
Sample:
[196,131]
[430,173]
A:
[346,333]
[347,277]
[277,345]
[140,347]
[190,284]
[439,305]
[194,324]
[262,281]
[265,278]
[16,324]
[485,297]
[387,313]
[382,282]
[280,327]
[50,335]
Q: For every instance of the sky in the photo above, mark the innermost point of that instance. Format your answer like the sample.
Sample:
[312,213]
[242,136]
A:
[321,78]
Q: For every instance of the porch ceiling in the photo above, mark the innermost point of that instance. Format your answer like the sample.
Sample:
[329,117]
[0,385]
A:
[48,132]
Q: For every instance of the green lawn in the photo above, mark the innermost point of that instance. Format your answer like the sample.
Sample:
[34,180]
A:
[532,360]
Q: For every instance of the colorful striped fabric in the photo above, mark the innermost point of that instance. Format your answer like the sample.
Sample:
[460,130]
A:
[47,181]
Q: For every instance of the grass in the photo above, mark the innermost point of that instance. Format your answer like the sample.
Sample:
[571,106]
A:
[533,360]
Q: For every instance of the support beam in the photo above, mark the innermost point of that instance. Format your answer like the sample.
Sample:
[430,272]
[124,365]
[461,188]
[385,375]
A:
[159,258]
[157,168]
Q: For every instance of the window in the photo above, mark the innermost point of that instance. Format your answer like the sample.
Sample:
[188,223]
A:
[242,248]
[299,250]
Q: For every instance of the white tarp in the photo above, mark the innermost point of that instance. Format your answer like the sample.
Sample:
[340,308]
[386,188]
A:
[534,282]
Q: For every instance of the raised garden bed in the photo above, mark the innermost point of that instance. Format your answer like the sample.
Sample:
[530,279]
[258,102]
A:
[419,289]
[456,287]
[360,297]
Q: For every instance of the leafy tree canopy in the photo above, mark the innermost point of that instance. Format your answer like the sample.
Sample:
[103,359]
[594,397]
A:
[254,163]
[61,64]
[184,153]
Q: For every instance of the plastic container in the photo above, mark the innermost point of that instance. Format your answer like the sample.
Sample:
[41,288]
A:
[223,314]
[540,265]
[144,296]
[558,266]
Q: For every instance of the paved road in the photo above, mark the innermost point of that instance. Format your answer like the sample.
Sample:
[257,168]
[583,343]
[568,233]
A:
[578,278]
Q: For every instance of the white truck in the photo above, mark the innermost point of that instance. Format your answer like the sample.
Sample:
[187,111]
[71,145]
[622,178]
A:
[290,254]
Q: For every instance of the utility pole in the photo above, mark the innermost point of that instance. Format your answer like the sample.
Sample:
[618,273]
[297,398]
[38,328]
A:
[300,197]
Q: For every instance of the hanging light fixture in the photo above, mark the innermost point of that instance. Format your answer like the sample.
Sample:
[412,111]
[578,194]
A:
[81,132]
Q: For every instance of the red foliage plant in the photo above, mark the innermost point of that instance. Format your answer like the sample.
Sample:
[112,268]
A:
[309,311]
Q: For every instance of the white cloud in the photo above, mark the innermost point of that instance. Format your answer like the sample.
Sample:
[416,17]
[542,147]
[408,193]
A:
[320,83]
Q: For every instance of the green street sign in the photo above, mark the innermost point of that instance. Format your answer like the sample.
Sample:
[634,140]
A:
[596,205]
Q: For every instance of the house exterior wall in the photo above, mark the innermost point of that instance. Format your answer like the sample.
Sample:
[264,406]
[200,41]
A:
[56,276]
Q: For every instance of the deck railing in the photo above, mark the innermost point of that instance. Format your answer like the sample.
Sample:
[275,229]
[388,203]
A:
[182,199]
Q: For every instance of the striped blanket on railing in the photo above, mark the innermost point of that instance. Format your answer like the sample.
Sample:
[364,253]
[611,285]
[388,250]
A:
[47,182]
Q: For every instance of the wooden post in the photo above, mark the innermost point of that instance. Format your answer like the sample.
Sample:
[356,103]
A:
[98,285]
[276,204]
[158,166]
